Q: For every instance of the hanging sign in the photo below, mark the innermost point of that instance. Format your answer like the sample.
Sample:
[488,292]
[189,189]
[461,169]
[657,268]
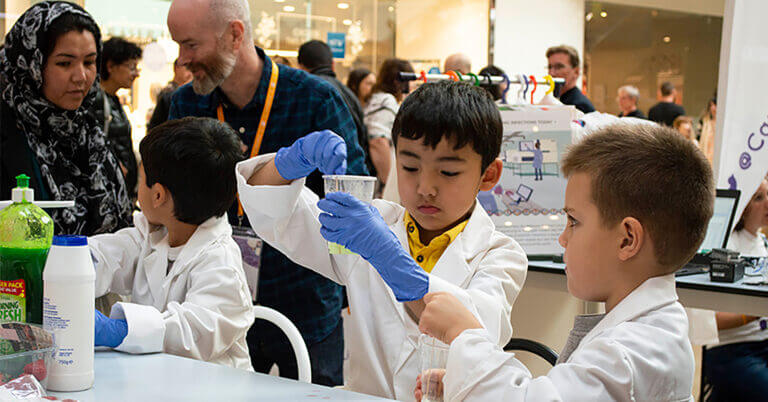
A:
[337,42]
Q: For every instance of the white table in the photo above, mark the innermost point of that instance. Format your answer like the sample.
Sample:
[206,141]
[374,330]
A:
[125,377]
[693,290]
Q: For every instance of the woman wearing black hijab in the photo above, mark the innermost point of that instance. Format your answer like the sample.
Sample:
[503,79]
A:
[48,79]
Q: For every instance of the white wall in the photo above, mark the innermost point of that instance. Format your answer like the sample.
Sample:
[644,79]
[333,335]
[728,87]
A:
[435,29]
[525,29]
[706,7]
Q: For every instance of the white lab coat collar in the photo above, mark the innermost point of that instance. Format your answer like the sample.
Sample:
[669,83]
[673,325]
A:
[472,241]
[652,294]
[156,261]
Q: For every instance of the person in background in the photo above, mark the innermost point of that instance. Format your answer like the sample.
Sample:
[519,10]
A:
[496,90]
[458,62]
[708,124]
[181,76]
[666,111]
[46,131]
[684,126]
[231,81]
[179,263]
[627,98]
[737,367]
[563,62]
[361,82]
[119,69]
[315,57]
[388,93]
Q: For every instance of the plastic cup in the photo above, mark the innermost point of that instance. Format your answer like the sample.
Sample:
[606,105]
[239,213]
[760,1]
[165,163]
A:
[434,357]
[361,187]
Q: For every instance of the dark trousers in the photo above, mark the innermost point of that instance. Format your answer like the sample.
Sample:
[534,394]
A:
[737,372]
[326,357]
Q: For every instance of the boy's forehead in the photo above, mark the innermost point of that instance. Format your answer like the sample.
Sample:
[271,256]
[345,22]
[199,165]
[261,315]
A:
[578,191]
[446,147]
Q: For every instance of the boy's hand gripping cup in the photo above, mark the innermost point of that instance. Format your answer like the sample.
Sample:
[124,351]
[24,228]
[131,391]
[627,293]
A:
[361,187]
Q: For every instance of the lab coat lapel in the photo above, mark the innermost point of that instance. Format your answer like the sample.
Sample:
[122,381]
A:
[456,264]
[394,217]
[652,294]
[155,266]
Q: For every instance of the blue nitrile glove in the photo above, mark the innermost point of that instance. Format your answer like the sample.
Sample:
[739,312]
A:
[360,228]
[323,150]
[109,331]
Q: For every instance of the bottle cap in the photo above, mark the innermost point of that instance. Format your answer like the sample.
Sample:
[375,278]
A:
[22,192]
[70,240]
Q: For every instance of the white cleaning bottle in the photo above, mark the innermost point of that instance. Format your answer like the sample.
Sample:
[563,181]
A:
[68,312]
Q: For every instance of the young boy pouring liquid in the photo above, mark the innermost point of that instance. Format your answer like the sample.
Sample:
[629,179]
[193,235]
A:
[447,138]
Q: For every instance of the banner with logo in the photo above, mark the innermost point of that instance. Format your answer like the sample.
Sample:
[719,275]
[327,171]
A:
[527,202]
[742,127]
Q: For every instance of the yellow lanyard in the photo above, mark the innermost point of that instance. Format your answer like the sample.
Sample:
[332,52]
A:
[262,122]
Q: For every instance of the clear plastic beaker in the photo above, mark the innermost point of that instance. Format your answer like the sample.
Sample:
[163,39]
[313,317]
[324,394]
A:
[434,357]
[361,187]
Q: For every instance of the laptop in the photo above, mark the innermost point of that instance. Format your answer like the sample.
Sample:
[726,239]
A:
[718,231]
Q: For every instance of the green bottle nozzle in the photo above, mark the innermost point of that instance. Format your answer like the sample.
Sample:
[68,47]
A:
[22,192]
[22,181]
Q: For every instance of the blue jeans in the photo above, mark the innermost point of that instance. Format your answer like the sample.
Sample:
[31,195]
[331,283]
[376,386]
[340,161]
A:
[326,357]
[737,372]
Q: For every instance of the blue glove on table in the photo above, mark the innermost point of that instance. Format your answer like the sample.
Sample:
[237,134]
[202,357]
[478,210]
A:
[360,228]
[322,150]
[109,331]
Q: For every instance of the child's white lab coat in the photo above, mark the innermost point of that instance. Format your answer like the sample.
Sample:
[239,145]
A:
[200,309]
[483,268]
[637,352]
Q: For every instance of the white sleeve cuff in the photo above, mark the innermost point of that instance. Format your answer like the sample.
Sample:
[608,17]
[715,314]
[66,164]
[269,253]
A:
[261,195]
[146,328]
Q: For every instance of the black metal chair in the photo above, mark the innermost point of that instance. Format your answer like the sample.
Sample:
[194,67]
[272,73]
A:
[705,388]
[537,348]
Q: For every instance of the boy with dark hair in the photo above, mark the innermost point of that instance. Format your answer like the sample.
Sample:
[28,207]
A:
[638,201]
[447,138]
[179,263]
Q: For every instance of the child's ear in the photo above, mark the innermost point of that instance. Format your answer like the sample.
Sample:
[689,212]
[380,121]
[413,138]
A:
[160,195]
[632,238]
[491,175]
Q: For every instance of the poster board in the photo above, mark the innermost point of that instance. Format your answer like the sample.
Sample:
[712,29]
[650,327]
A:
[741,148]
[527,202]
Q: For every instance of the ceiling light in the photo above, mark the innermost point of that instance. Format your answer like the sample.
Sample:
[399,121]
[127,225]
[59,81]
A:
[667,39]
[289,9]
[603,13]
[590,16]
[347,22]
[343,6]
[391,9]
[279,1]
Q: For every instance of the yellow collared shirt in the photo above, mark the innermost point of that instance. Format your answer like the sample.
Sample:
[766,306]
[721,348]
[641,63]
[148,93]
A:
[427,256]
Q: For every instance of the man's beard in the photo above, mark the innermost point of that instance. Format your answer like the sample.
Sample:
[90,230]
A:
[216,70]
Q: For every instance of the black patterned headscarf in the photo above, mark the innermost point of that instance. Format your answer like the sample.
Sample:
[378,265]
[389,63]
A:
[69,145]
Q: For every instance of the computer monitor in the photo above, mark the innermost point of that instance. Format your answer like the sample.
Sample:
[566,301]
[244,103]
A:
[719,228]
[524,192]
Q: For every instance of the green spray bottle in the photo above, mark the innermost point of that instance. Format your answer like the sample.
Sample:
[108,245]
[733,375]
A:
[26,233]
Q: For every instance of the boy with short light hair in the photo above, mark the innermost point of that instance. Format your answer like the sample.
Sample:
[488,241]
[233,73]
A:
[638,201]
[447,138]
